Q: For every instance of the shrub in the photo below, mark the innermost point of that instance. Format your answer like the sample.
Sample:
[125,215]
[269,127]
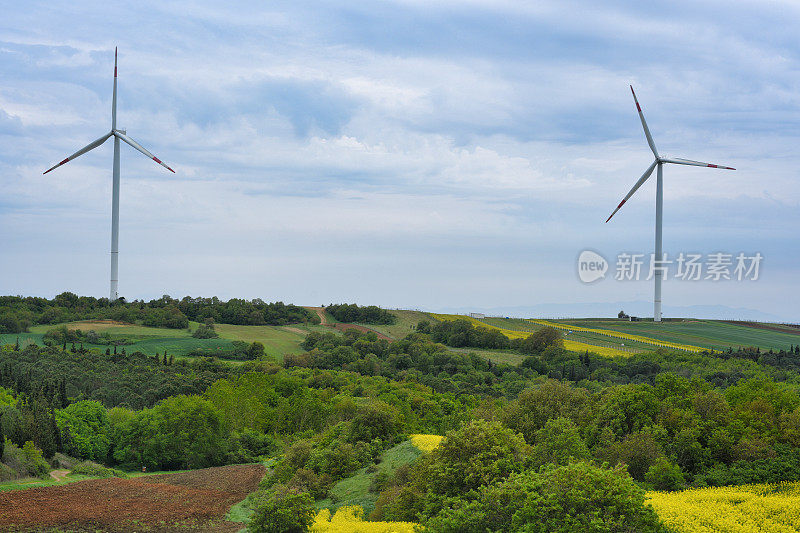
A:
[249,446]
[205,332]
[282,510]
[664,475]
[89,468]
[7,473]
[26,461]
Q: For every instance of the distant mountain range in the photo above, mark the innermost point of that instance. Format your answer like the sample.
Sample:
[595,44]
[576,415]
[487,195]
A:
[610,309]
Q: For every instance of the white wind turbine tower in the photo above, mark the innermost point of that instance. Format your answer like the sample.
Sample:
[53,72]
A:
[659,162]
[118,135]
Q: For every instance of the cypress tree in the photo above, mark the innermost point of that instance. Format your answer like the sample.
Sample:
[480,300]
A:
[62,394]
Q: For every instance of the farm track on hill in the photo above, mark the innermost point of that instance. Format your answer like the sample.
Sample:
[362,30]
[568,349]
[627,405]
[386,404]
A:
[341,326]
[189,501]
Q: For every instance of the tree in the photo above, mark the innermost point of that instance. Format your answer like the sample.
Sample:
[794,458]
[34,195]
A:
[479,453]
[255,350]
[579,498]
[88,427]
[552,399]
[664,475]
[180,432]
[559,442]
[282,510]
[540,340]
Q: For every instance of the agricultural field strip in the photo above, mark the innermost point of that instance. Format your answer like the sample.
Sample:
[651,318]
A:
[571,345]
[768,508]
[714,334]
[620,335]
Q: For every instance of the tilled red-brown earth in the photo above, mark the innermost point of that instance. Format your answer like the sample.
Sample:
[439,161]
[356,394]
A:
[196,500]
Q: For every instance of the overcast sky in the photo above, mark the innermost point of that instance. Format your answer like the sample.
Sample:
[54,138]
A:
[408,154]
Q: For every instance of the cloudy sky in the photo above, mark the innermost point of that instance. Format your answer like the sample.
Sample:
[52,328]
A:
[409,154]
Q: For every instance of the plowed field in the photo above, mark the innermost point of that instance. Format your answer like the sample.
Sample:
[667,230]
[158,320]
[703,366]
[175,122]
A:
[190,501]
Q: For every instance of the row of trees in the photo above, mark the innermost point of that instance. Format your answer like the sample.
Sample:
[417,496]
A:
[18,313]
[369,314]
[462,333]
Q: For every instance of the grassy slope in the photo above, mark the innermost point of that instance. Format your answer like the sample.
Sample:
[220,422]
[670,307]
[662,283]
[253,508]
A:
[355,489]
[406,322]
[29,483]
[145,339]
[277,340]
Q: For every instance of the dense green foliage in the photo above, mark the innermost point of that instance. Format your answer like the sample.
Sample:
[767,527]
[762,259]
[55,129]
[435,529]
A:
[369,314]
[578,497]
[481,478]
[85,430]
[563,442]
[129,380]
[282,511]
[464,334]
[413,358]
[18,313]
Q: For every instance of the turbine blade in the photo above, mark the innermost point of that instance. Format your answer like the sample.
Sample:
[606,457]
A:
[681,161]
[635,187]
[90,146]
[141,148]
[644,125]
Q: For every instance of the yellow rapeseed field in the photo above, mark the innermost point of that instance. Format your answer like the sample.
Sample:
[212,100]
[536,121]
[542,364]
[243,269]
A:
[351,520]
[771,508]
[426,443]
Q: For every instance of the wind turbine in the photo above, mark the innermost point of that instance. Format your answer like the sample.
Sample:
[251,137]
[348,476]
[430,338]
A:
[119,135]
[658,163]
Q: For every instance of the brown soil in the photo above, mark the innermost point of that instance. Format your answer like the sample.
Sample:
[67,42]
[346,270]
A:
[100,324]
[787,328]
[190,501]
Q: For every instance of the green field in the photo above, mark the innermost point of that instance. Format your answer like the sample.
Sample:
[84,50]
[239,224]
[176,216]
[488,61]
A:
[406,322]
[714,334]
[277,340]
[703,333]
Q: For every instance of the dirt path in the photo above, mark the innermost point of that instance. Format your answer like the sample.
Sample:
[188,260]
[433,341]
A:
[323,320]
[344,327]
[58,475]
[295,330]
